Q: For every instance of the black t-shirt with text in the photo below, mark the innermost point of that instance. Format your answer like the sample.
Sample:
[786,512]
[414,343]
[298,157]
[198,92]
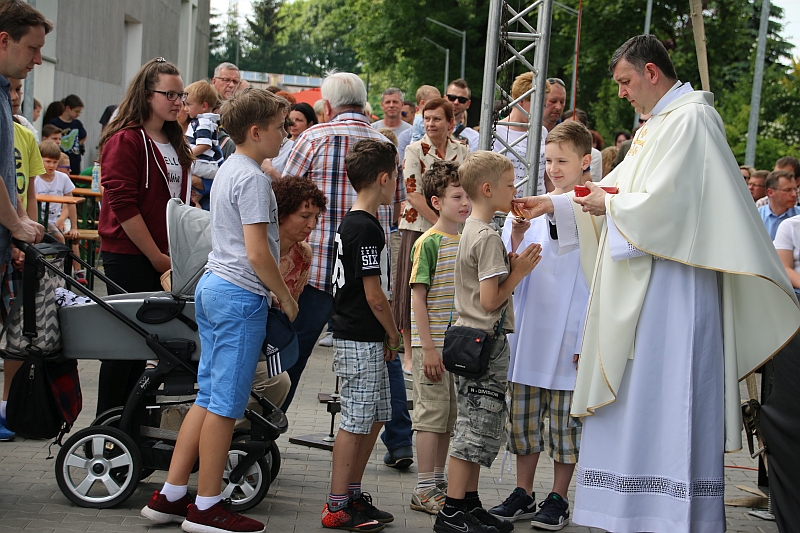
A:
[360,252]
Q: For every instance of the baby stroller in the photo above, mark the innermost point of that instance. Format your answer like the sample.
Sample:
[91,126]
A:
[101,465]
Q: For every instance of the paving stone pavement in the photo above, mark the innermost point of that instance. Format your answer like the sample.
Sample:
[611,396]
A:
[30,499]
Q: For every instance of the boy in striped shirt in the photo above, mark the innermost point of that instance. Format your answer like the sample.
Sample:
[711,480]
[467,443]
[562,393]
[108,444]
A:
[432,288]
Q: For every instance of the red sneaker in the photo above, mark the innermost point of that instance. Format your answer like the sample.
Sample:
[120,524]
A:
[350,519]
[219,518]
[162,511]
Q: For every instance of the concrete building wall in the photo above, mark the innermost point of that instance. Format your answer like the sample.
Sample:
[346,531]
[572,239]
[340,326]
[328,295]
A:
[98,45]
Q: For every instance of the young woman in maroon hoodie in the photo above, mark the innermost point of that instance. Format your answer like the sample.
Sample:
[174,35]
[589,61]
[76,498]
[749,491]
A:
[144,161]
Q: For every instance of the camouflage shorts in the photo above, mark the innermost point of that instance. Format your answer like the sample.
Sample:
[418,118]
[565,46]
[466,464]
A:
[481,404]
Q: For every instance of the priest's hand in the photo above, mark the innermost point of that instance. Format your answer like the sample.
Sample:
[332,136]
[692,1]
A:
[531,206]
[432,364]
[595,202]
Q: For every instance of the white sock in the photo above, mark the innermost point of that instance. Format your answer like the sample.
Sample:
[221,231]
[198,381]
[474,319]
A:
[206,502]
[173,493]
[3,408]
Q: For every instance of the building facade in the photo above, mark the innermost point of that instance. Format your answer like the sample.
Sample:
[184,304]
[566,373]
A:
[97,47]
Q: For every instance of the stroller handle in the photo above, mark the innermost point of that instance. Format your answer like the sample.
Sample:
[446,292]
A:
[26,247]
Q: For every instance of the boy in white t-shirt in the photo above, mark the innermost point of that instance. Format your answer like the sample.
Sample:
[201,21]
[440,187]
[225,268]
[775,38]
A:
[57,183]
[550,305]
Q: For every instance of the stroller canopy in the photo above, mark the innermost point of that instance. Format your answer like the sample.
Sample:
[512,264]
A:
[189,235]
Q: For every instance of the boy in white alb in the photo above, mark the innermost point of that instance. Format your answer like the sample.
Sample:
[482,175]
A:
[550,307]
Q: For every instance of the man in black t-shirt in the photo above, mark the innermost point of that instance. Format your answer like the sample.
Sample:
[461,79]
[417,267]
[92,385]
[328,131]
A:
[365,335]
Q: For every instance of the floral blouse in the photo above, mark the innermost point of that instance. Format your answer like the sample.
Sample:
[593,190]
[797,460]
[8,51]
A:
[295,266]
[419,156]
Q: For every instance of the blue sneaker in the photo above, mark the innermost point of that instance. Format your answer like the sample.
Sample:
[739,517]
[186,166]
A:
[6,434]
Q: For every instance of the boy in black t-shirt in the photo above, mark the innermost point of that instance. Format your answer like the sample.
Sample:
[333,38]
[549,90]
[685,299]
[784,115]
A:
[365,335]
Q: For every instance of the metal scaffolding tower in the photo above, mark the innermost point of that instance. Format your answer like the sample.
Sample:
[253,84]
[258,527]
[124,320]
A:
[505,50]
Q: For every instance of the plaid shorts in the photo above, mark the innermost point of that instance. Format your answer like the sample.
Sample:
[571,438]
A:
[529,407]
[364,388]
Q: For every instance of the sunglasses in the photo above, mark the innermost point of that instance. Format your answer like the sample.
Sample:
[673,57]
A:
[403,113]
[558,81]
[461,99]
[642,120]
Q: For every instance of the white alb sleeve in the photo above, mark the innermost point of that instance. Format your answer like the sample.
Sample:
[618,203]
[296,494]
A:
[566,225]
[618,246]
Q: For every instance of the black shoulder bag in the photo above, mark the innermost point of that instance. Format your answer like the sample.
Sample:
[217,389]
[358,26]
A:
[466,350]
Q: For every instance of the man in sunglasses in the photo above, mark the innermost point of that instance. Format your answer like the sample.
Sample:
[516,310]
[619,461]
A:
[459,95]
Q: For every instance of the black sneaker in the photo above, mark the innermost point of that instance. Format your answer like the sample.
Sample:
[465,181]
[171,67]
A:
[518,506]
[500,524]
[553,513]
[363,504]
[460,522]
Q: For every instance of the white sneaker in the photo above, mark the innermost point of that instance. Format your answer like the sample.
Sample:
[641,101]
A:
[326,340]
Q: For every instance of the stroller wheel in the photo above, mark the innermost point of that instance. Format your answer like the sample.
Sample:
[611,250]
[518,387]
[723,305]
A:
[253,486]
[98,467]
[275,454]
[112,418]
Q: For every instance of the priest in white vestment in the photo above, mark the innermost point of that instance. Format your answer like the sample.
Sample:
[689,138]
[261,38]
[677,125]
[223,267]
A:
[687,297]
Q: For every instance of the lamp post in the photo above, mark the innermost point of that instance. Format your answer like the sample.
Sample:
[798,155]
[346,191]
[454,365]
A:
[463,35]
[446,62]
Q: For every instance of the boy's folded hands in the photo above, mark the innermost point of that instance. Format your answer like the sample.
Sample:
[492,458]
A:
[525,261]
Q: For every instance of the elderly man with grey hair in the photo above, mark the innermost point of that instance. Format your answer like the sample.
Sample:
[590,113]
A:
[392,105]
[226,79]
[318,154]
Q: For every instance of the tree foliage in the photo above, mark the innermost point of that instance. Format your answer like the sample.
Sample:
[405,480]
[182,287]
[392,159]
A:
[383,41]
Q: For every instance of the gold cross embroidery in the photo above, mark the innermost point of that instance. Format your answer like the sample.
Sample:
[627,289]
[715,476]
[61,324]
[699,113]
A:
[638,141]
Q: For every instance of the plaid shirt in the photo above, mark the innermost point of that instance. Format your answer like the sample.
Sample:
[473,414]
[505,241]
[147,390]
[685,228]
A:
[318,154]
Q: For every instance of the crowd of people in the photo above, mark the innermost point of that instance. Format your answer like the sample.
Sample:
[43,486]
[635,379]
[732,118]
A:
[385,234]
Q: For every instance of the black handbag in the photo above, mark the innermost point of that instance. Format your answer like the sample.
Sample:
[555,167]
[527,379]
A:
[466,350]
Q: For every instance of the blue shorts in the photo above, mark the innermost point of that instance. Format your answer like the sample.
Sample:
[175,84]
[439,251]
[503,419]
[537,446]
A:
[232,324]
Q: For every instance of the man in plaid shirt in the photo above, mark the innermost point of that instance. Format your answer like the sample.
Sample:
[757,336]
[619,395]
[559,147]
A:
[319,154]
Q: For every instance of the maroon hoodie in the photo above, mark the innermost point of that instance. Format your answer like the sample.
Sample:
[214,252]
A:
[134,179]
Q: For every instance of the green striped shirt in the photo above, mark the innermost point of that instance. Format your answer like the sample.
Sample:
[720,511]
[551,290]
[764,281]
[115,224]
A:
[433,259]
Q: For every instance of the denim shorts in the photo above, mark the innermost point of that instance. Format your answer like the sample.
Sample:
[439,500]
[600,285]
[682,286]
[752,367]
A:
[232,324]
[365,396]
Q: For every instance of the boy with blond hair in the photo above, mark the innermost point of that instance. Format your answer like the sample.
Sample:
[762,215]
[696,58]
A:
[552,301]
[201,101]
[432,290]
[485,277]
[231,304]
[364,335]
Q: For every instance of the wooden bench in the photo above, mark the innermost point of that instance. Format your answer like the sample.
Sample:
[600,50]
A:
[92,238]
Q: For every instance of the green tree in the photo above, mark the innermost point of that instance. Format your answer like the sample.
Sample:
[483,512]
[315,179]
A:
[261,34]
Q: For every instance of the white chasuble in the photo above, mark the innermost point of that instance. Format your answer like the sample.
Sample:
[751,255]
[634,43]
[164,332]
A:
[669,333]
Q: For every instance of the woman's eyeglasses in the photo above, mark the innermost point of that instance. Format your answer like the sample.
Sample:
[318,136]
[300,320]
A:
[172,96]
[461,99]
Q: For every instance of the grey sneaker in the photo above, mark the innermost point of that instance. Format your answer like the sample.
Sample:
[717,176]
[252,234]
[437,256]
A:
[430,501]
